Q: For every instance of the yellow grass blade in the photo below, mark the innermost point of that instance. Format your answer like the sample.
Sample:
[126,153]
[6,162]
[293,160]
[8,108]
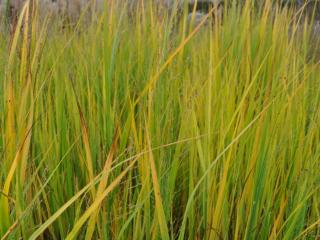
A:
[313,225]
[156,188]
[85,139]
[154,78]
[61,210]
[22,152]
[102,186]
[279,219]
[95,205]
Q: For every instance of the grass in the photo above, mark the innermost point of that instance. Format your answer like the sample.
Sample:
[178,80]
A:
[134,126]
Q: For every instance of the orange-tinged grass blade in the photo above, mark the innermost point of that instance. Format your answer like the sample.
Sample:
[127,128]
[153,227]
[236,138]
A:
[95,205]
[158,200]
[102,186]
[10,230]
[85,139]
[279,218]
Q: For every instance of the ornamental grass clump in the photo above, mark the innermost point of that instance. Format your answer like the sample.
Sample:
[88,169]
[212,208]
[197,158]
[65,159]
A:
[138,125]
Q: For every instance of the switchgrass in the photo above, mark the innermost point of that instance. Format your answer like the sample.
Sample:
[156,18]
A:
[137,126]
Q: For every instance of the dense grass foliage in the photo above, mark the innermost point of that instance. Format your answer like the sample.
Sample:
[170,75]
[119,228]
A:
[135,126]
